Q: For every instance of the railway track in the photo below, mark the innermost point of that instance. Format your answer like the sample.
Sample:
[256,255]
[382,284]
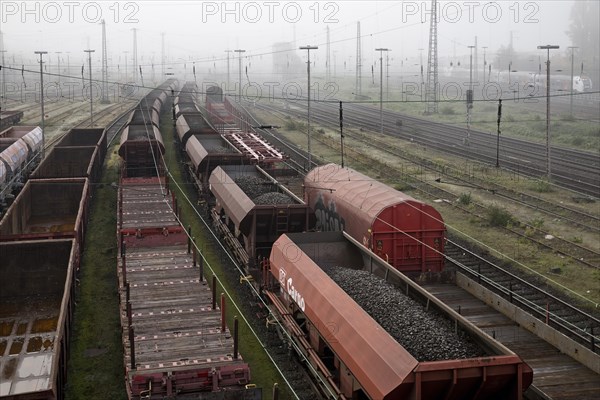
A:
[112,129]
[574,170]
[533,297]
[577,252]
[531,294]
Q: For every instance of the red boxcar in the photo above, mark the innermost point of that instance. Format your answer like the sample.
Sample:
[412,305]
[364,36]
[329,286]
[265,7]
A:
[406,232]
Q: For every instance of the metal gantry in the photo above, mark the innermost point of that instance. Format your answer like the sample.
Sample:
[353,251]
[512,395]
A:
[548,47]
[240,51]
[358,84]
[41,53]
[91,91]
[308,48]
[431,96]
[381,50]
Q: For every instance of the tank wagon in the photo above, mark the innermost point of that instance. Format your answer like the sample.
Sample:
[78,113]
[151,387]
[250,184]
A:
[354,356]
[252,210]
[38,280]
[406,232]
[20,150]
[175,339]
[9,118]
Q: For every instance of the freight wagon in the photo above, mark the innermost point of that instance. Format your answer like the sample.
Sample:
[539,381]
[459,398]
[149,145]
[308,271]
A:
[36,293]
[361,355]
[175,339]
[252,210]
[406,232]
[10,118]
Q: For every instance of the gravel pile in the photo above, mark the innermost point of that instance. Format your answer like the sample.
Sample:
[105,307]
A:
[425,335]
[253,186]
[273,198]
[219,149]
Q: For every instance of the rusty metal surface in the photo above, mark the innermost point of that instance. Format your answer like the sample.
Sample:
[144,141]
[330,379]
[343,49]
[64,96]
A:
[500,375]
[389,222]
[3,175]
[70,162]
[378,362]
[7,118]
[48,208]
[84,137]
[35,311]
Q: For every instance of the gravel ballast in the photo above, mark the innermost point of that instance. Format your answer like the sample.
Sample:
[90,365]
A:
[261,191]
[253,186]
[219,150]
[426,335]
[272,198]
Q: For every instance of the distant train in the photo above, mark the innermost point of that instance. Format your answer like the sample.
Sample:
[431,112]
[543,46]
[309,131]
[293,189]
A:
[580,84]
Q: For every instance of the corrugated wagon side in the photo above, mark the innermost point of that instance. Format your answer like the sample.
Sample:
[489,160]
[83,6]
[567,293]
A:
[406,232]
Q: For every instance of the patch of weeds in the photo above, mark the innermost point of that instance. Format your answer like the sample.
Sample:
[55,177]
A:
[498,216]
[447,110]
[542,186]
[464,199]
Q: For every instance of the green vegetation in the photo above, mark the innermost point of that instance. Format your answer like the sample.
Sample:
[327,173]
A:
[447,110]
[498,216]
[464,199]
[541,186]
[95,368]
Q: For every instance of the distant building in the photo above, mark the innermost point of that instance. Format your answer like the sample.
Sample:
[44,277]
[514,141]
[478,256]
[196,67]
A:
[286,62]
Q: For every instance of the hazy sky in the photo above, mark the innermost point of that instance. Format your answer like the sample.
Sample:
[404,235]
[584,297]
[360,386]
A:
[203,30]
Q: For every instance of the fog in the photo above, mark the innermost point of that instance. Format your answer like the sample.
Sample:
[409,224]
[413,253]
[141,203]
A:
[197,33]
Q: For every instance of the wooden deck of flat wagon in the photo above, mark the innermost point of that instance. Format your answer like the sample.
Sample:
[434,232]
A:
[174,334]
[556,376]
